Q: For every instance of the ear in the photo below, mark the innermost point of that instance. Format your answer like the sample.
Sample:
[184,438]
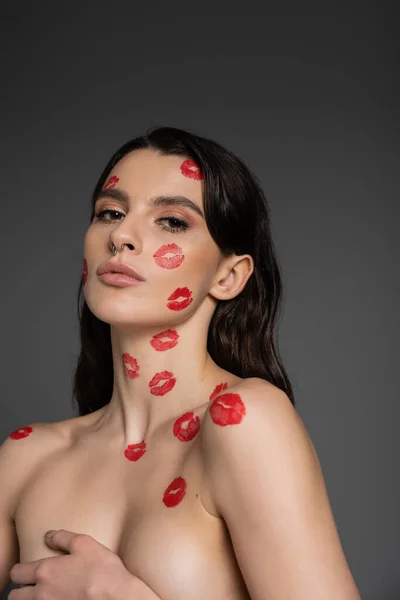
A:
[232,276]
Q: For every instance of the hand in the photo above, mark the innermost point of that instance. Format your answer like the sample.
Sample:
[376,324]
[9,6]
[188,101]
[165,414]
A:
[89,571]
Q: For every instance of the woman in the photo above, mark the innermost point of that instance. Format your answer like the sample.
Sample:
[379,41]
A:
[188,460]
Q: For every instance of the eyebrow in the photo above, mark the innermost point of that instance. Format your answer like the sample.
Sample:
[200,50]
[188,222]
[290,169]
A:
[162,200]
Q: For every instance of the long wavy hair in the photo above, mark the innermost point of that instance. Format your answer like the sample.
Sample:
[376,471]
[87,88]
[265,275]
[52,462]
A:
[242,331]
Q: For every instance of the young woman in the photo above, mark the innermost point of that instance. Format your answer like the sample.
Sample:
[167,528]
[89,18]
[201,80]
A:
[188,459]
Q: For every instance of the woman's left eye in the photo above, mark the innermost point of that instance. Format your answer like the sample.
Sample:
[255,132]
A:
[176,225]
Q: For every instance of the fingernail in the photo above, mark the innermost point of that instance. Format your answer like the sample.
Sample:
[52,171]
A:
[50,533]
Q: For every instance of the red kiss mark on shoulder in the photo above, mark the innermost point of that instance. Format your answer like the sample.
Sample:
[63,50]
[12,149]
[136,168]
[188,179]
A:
[135,451]
[21,433]
[219,388]
[190,169]
[227,409]
[175,492]
[112,182]
[186,427]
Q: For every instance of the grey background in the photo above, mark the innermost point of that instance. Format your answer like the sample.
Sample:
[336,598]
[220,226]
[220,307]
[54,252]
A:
[308,97]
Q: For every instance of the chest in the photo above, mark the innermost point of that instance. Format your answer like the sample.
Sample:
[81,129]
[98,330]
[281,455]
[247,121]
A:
[149,513]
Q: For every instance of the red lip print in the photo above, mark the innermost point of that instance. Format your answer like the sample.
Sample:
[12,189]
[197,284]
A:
[190,169]
[170,262]
[185,293]
[161,390]
[186,427]
[227,409]
[172,340]
[131,366]
[135,451]
[21,433]
[218,389]
[85,271]
[112,182]
[175,492]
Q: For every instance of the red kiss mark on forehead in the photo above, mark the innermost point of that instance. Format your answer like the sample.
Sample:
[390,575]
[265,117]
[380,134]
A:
[21,433]
[175,492]
[112,182]
[190,169]
[227,409]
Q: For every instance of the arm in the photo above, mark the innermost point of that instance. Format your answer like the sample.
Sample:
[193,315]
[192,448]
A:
[266,483]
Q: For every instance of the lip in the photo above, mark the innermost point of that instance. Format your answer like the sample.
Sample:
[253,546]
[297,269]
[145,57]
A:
[118,267]
[186,427]
[161,390]
[175,304]
[169,262]
[171,340]
[227,409]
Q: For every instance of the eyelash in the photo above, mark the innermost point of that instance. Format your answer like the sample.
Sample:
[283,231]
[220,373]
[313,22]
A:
[182,225]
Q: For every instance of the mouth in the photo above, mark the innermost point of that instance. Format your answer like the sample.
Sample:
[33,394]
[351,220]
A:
[175,304]
[171,339]
[161,390]
[169,262]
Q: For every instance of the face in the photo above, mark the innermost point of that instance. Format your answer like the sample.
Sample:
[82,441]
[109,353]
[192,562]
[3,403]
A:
[166,243]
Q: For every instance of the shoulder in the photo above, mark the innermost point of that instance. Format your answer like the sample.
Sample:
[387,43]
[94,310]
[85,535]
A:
[253,429]
[22,451]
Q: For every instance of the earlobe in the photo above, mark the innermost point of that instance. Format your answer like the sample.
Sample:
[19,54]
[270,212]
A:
[232,277]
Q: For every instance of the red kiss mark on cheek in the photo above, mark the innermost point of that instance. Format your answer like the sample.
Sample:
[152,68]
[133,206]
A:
[190,169]
[85,271]
[171,340]
[112,182]
[186,427]
[131,367]
[175,492]
[135,451]
[169,262]
[21,433]
[227,409]
[175,304]
[219,388]
[161,390]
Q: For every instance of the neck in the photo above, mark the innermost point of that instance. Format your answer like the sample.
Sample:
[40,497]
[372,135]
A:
[154,384]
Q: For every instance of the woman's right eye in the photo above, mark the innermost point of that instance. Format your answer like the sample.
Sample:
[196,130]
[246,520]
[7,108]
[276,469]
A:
[101,215]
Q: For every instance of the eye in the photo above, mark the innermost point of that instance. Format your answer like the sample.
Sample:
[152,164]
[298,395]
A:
[101,215]
[176,225]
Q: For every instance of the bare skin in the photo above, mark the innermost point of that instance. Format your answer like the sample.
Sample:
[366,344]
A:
[83,475]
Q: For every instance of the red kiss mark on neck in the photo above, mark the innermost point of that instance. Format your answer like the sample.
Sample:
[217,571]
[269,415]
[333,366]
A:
[21,433]
[186,427]
[112,182]
[175,492]
[171,336]
[135,451]
[227,409]
[161,390]
[131,367]
[190,169]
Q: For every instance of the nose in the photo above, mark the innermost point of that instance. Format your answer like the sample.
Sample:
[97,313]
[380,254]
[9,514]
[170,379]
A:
[125,235]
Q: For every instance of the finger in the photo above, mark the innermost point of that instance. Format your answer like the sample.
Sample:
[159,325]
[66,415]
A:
[62,539]
[24,593]
[24,572]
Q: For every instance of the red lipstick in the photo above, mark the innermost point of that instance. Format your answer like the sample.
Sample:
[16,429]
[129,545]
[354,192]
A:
[186,427]
[112,182]
[190,169]
[135,451]
[161,390]
[169,262]
[227,409]
[171,340]
[131,366]
[218,389]
[175,492]
[184,293]
[21,433]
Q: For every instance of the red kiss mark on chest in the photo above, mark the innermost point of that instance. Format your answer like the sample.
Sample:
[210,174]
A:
[135,451]
[219,388]
[175,492]
[227,409]
[21,433]
[186,427]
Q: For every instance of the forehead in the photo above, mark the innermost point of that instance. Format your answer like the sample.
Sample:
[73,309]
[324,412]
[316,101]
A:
[145,173]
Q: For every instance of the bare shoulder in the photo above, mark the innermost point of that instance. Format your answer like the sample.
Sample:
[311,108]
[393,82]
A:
[23,451]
